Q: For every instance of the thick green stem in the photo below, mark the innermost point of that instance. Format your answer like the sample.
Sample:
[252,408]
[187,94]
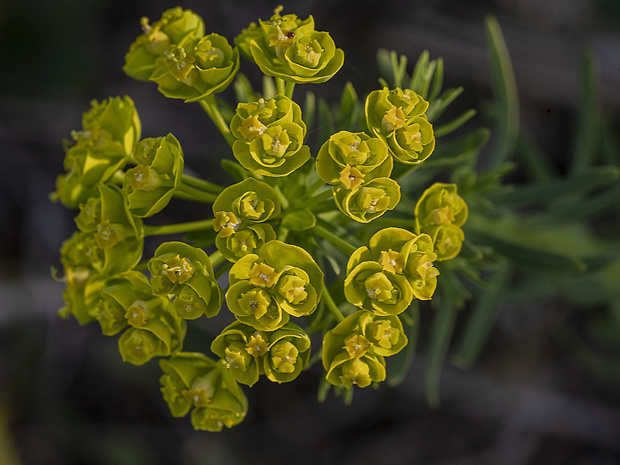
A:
[209,105]
[334,240]
[395,222]
[201,184]
[178,228]
[280,86]
[316,199]
[290,88]
[184,191]
[331,306]
[217,258]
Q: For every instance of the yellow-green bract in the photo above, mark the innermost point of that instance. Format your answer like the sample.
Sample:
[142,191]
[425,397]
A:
[289,48]
[150,184]
[398,117]
[346,150]
[401,252]
[439,213]
[192,381]
[110,131]
[269,136]
[282,280]
[185,272]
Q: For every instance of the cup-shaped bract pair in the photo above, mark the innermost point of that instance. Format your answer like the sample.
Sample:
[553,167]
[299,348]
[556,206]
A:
[194,70]
[395,268]
[440,213]
[289,48]
[76,257]
[174,53]
[126,299]
[281,354]
[351,159]
[118,235]
[193,381]
[369,200]
[175,26]
[282,280]
[398,117]
[110,131]
[354,350]
[239,215]
[269,136]
[150,184]
[185,274]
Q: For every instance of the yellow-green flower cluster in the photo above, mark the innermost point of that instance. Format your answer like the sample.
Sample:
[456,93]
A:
[267,288]
[267,228]
[440,213]
[280,354]
[289,48]
[192,381]
[240,212]
[269,136]
[150,184]
[184,63]
[110,132]
[398,117]
[354,351]
[396,267]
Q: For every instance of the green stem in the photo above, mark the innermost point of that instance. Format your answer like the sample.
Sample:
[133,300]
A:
[395,222]
[184,191]
[283,199]
[290,88]
[201,184]
[282,234]
[280,86]
[334,240]
[178,228]
[217,258]
[209,105]
[331,306]
[315,199]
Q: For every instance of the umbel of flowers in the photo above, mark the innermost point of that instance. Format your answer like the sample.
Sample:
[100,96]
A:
[269,234]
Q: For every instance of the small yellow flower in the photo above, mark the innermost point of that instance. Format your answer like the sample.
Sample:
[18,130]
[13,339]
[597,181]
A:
[258,344]
[357,345]
[391,261]
[177,269]
[262,275]
[351,177]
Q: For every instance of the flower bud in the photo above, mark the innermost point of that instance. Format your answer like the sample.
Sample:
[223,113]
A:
[289,352]
[186,272]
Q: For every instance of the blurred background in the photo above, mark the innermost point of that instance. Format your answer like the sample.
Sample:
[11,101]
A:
[67,398]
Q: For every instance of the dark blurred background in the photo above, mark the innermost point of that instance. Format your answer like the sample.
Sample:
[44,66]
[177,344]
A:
[65,395]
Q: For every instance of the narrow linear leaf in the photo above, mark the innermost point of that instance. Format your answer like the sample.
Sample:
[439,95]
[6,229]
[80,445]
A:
[526,256]
[441,334]
[309,110]
[534,161]
[587,130]
[505,89]
[243,89]
[481,319]
[580,210]
[437,82]
[325,124]
[591,178]
[419,70]
[453,125]
[401,362]
[438,106]
[610,147]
